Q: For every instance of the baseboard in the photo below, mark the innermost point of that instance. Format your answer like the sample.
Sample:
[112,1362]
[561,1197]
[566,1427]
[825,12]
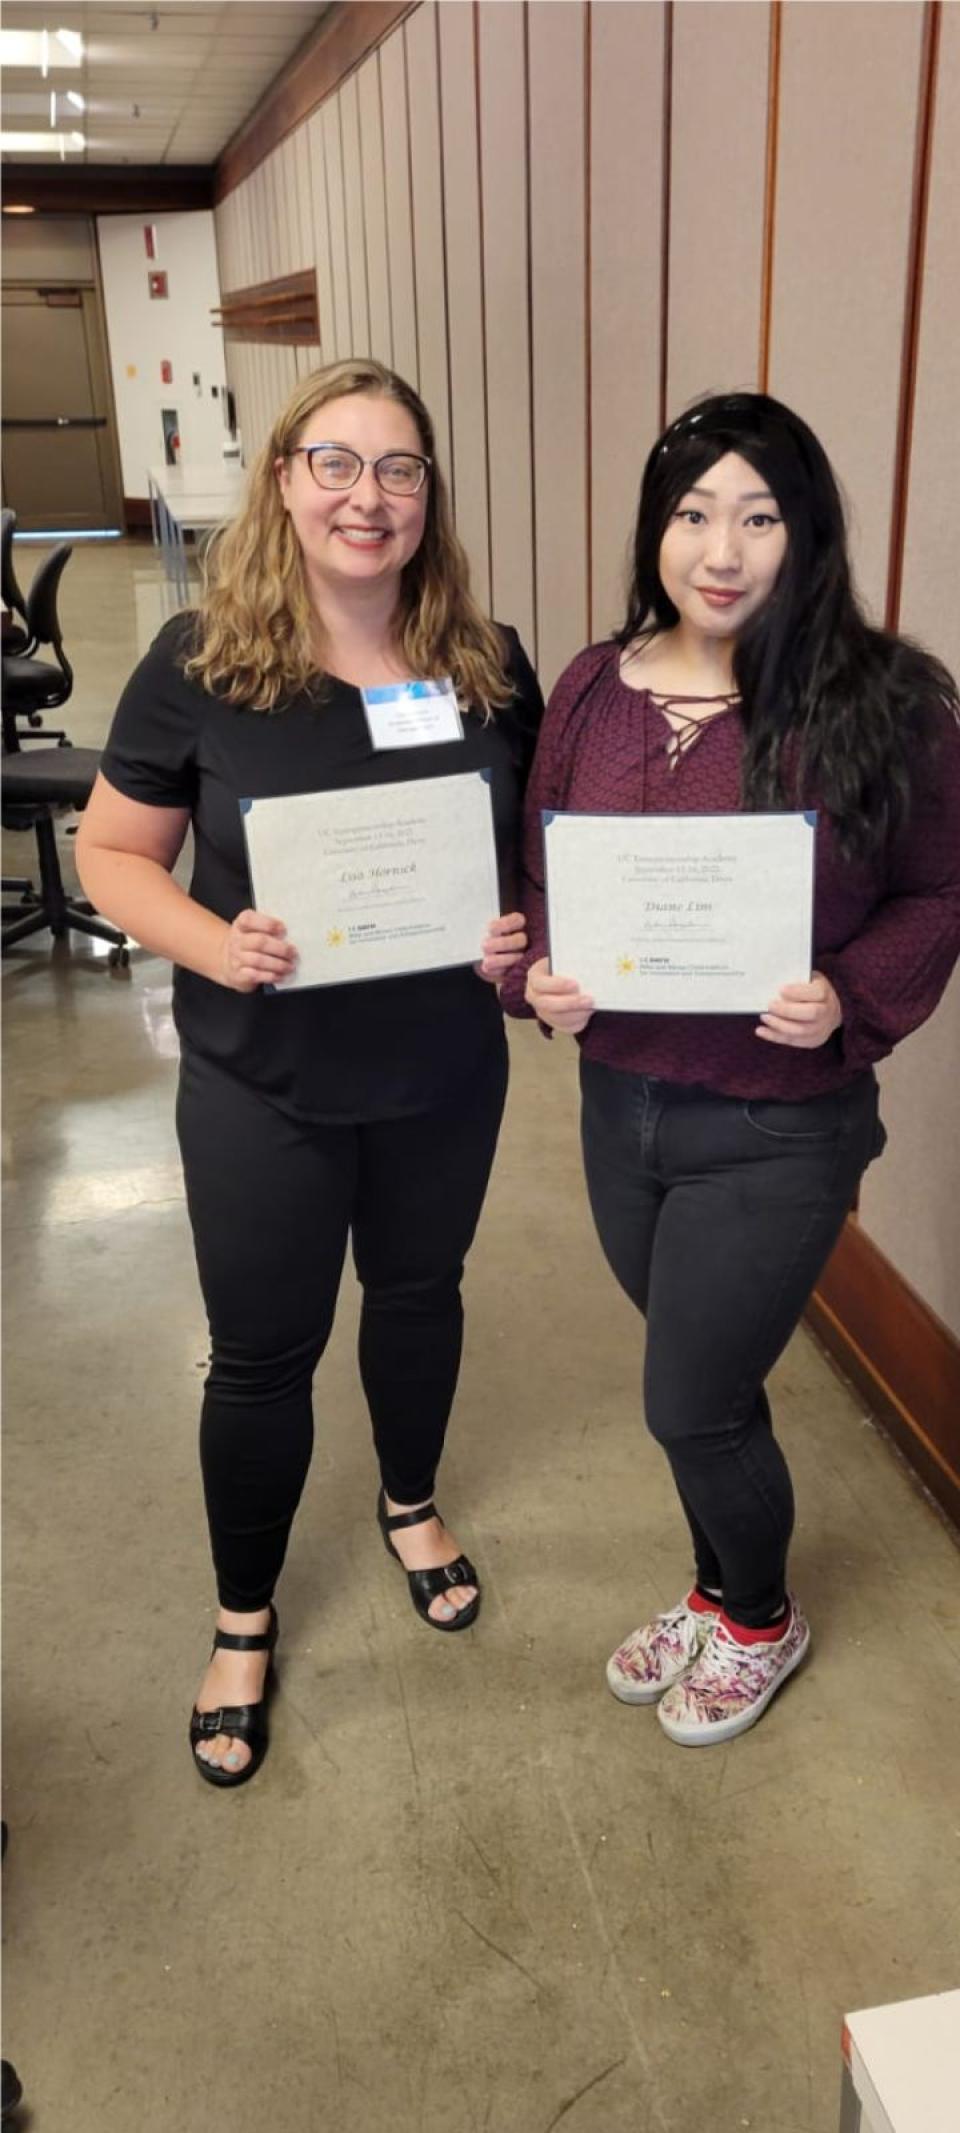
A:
[903,1360]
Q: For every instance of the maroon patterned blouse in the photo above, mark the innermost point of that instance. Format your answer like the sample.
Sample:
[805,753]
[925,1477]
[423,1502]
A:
[886,930]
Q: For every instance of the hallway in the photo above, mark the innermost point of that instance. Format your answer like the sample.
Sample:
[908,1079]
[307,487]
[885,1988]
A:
[469,1891]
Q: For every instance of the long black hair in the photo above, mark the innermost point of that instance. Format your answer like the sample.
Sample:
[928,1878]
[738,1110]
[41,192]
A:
[833,708]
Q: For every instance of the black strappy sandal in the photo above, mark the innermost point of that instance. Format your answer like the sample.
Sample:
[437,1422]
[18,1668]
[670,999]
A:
[243,1721]
[427,1585]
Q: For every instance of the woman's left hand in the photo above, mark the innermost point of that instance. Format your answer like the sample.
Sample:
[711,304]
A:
[805,1015]
[505,943]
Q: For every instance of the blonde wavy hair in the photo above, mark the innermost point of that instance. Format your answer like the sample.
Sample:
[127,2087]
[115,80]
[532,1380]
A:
[256,628]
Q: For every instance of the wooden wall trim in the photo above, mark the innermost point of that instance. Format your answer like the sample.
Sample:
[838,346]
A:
[770,191]
[903,1360]
[478,93]
[665,207]
[344,38]
[588,302]
[531,373]
[926,106]
[108,188]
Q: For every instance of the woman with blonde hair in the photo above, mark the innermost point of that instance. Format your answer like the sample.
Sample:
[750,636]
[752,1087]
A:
[365,1108]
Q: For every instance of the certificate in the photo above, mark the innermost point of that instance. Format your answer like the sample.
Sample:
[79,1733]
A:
[377,880]
[680,914]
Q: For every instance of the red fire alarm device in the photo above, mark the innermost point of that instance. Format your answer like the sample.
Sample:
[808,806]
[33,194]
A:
[150,240]
[158,283]
[166,372]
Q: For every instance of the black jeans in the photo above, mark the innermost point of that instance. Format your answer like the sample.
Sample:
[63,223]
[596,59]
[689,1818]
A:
[717,1217]
[271,1202]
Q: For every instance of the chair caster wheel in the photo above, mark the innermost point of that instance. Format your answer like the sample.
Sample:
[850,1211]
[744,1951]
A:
[119,959]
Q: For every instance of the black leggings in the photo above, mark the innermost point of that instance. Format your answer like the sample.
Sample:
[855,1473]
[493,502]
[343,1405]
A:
[271,1202]
[717,1217]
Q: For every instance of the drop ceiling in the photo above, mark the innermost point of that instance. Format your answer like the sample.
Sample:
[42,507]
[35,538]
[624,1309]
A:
[165,84]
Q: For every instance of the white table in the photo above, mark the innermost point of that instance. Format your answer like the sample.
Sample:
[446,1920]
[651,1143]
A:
[189,499]
[902,2067]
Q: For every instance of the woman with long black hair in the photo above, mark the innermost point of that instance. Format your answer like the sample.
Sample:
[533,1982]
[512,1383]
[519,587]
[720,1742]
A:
[723,1152]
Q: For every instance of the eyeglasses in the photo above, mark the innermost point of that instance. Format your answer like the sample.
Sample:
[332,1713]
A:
[335,466]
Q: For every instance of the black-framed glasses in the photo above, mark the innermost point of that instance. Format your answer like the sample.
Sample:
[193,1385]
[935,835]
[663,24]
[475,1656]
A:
[335,466]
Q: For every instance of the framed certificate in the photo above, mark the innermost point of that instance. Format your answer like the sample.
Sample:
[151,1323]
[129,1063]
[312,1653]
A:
[683,914]
[378,880]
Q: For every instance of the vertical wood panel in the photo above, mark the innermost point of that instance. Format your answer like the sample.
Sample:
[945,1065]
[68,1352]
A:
[244,197]
[917,1228]
[396,153]
[420,32]
[302,180]
[322,256]
[926,107]
[333,163]
[627,71]
[771,168]
[278,215]
[464,289]
[719,129]
[308,356]
[261,223]
[503,166]
[375,210]
[929,604]
[286,205]
[557,232]
[298,249]
[356,230]
[841,246]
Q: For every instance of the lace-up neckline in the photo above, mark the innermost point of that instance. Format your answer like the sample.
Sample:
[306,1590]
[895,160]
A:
[685,728]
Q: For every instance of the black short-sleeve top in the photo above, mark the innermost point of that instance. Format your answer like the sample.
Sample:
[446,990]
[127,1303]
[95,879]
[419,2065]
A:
[383,1049]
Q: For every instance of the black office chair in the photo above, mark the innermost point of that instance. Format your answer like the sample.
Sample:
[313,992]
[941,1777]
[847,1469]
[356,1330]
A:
[38,783]
[16,636]
[32,686]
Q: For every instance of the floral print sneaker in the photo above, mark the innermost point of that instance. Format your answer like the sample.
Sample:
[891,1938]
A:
[730,1685]
[649,1662]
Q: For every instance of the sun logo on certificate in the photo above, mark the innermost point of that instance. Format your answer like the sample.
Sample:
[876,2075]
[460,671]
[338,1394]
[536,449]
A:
[625,964]
[334,938]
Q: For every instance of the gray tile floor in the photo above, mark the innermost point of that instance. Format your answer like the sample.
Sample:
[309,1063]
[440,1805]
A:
[469,1893]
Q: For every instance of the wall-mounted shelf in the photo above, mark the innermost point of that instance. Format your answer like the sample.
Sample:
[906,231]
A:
[284,311]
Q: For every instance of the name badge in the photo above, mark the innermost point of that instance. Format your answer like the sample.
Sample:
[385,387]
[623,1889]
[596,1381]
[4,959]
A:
[412,714]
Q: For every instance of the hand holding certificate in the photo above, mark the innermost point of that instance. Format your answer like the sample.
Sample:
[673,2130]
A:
[684,914]
[380,880]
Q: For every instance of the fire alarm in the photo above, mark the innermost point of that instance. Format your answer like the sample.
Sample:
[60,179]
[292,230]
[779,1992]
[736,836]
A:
[158,283]
[166,372]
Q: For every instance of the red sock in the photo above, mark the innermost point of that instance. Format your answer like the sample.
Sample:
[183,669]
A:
[770,1634]
[700,1605]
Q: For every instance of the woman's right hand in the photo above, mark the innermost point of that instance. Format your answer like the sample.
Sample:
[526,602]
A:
[256,952]
[557,1001]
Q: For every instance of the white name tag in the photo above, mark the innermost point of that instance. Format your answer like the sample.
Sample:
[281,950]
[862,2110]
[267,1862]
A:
[412,714]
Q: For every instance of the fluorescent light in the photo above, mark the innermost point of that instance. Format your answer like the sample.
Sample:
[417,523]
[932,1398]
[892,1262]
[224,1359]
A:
[72,41]
[40,144]
[31,48]
[74,97]
[74,533]
[53,107]
[10,208]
